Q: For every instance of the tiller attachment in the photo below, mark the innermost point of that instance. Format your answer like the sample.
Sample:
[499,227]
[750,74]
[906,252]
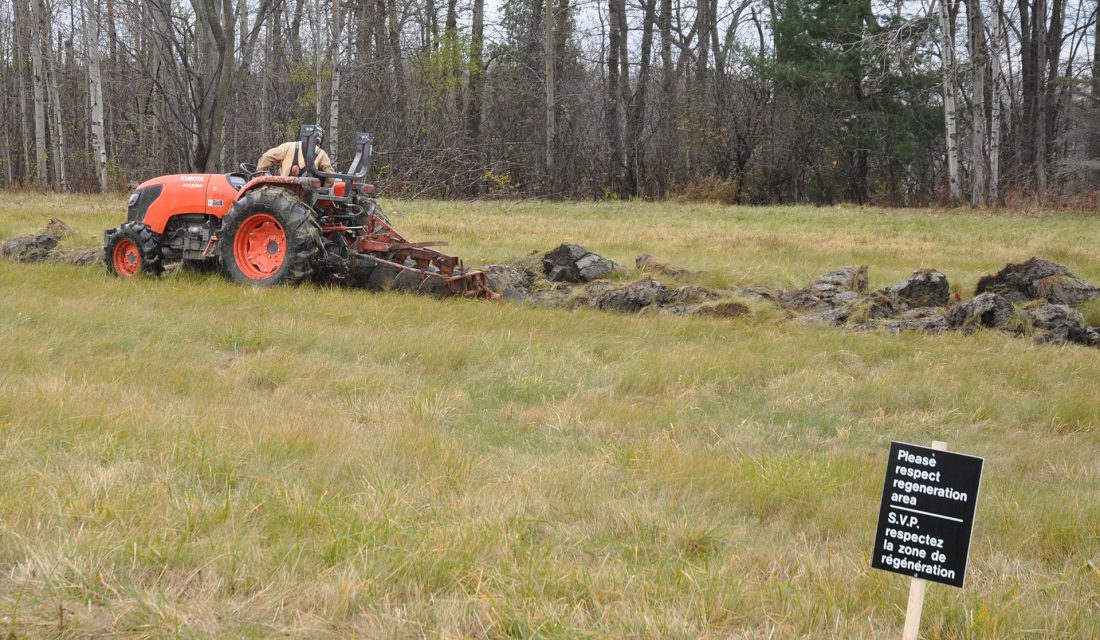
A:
[378,244]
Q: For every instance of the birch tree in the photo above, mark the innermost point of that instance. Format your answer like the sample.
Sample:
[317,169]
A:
[334,63]
[95,89]
[950,113]
[59,155]
[41,174]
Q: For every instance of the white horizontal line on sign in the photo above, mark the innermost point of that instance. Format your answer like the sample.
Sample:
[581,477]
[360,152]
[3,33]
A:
[934,515]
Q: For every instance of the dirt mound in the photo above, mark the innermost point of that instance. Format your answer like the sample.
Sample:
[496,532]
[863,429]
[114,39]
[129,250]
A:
[574,263]
[1059,323]
[43,247]
[1038,279]
[633,297]
[922,302]
[36,248]
[512,282]
[646,262]
[832,290]
[925,288]
[988,310]
[926,319]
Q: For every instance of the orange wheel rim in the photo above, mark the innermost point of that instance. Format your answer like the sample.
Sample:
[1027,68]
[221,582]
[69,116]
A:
[126,258]
[260,246]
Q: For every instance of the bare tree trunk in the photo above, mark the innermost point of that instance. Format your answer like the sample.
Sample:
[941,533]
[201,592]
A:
[380,27]
[60,181]
[398,60]
[319,60]
[666,123]
[551,123]
[1053,54]
[295,30]
[215,72]
[626,104]
[8,177]
[429,30]
[20,43]
[270,64]
[334,99]
[240,85]
[978,130]
[702,27]
[454,68]
[41,174]
[95,91]
[614,135]
[999,100]
[1095,83]
[950,114]
[477,75]
[638,103]
[1040,22]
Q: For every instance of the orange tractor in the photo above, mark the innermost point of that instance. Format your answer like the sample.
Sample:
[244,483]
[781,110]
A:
[263,229]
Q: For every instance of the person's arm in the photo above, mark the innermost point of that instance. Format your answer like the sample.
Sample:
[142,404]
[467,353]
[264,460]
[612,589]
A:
[323,162]
[271,158]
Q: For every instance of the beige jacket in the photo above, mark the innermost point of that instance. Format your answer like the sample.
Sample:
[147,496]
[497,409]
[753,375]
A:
[283,155]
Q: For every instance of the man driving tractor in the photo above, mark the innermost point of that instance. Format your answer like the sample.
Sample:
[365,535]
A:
[291,160]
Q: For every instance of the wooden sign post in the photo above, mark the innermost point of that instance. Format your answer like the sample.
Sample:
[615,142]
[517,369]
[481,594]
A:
[925,520]
[911,631]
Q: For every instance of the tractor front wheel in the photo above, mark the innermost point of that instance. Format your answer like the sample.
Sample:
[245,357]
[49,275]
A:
[269,237]
[132,250]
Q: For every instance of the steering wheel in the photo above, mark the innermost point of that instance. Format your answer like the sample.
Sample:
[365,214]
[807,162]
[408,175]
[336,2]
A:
[250,170]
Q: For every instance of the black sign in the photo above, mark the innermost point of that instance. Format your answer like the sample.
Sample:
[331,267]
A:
[927,513]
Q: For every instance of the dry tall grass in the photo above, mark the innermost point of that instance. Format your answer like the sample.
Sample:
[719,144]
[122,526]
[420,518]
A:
[186,457]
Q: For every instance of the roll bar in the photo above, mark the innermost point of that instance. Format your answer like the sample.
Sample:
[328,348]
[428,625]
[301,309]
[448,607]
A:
[360,164]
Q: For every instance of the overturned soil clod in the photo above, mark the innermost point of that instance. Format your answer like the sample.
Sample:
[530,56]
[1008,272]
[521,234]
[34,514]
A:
[925,288]
[574,263]
[513,283]
[989,310]
[1059,323]
[43,247]
[831,291]
[1038,279]
[633,297]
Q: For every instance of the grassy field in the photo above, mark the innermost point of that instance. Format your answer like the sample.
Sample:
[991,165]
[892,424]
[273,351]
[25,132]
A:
[186,457]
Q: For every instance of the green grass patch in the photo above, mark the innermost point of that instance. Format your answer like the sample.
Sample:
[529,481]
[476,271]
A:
[187,457]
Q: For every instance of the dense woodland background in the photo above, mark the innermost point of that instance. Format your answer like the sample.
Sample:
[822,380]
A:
[754,101]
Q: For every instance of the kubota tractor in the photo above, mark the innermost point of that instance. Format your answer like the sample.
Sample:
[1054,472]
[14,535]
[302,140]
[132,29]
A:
[264,230]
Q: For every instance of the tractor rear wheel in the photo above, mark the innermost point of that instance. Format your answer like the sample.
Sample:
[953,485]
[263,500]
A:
[269,237]
[132,250]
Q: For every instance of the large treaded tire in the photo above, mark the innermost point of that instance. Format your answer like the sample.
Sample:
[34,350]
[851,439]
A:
[294,239]
[132,249]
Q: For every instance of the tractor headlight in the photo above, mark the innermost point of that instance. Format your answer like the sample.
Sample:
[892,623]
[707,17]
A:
[133,199]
